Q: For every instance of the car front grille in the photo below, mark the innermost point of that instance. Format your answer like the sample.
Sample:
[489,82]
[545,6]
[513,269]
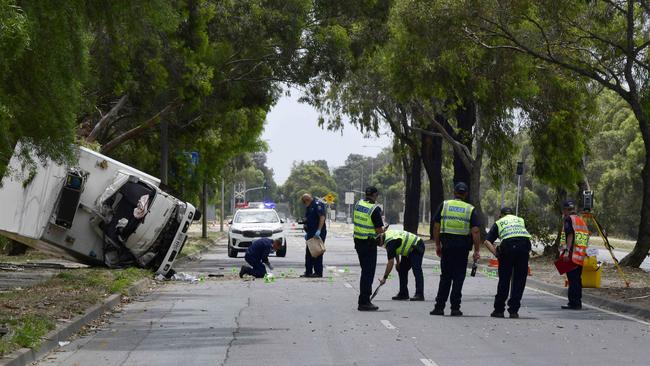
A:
[257,233]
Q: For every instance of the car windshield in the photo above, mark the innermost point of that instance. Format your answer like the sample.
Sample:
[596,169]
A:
[255,217]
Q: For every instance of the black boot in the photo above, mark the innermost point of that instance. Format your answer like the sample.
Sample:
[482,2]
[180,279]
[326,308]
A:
[245,270]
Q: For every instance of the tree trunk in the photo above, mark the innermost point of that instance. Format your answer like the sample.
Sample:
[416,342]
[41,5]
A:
[432,161]
[475,188]
[466,117]
[412,172]
[642,246]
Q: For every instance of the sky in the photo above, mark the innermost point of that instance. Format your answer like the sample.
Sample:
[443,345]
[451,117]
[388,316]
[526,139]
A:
[292,133]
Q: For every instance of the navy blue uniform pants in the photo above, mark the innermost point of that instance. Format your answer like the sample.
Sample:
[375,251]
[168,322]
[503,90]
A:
[513,271]
[367,253]
[453,267]
[259,270]
[412,261]
[313,265]
[575,286]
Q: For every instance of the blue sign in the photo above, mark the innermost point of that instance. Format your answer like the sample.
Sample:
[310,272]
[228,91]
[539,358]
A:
[194,158]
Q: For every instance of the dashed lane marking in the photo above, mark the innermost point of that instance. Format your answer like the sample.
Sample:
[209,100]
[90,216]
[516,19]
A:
[387,324]
[428,362]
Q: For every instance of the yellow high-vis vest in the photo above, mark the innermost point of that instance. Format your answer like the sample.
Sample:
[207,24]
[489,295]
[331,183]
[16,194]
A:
[408,241]
[455,217]
[363,226]
[511,226]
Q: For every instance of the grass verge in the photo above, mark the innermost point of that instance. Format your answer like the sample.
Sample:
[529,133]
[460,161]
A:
[195,243]
[30,313]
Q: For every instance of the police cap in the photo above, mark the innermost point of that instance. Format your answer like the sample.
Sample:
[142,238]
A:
[371,190]
[506,211]
[461,187]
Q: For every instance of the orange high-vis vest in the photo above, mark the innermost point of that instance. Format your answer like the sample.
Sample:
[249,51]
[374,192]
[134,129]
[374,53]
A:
[580,239]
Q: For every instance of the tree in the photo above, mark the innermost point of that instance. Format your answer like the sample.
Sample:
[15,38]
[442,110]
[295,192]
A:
[42,68]
[605,42]
[616,155]
[310,178]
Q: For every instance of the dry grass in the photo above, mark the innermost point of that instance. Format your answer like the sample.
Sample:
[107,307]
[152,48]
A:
[31,312]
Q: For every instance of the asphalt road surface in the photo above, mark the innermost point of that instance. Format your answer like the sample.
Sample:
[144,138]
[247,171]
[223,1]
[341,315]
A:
[295,321]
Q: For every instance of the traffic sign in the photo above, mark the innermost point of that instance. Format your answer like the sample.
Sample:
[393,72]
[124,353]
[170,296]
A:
[329,198]
[349,198]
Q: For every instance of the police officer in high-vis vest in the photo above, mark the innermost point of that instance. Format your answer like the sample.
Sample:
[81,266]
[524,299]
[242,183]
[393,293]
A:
[513,254]
[408,250]
[368,225]
[456,228]
[573,248]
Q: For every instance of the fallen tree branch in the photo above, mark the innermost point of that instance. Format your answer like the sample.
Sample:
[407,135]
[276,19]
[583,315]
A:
[92,136]
[137,131]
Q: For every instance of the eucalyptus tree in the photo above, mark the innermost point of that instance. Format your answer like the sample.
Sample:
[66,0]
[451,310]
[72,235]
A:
[604,41]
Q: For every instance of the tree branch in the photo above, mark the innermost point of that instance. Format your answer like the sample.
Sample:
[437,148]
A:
[137,131]
[92,136]
[462,150]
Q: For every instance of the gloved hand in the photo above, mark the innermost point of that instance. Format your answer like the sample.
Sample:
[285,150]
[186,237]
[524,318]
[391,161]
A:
[317,233]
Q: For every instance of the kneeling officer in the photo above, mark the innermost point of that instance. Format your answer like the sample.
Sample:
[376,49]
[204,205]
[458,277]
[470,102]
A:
[257,255]
[411,249]
[513,254]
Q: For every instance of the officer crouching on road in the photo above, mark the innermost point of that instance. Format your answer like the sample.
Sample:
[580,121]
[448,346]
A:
[513,254]
[257,255]
[408,246]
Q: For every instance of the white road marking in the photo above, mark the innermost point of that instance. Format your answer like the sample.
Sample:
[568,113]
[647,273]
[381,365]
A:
[593,307]
[387,324]
[347,285]
[428,362]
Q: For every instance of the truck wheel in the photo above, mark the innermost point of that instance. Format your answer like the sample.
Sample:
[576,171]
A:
[281,253]
[232,253]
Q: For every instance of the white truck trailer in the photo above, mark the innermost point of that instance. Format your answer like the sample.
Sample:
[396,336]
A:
[97,211]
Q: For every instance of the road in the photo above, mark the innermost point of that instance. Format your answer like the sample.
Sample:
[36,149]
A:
[297,321]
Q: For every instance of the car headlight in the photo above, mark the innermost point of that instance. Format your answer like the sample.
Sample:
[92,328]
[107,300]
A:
[235,231]
[277,231]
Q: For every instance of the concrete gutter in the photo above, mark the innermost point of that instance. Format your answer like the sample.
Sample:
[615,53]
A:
[27,356]
[616,306]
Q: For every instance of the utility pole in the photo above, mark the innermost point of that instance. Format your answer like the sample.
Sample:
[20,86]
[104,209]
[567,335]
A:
[520,171]
[223,210]
[204,209]
[164,151]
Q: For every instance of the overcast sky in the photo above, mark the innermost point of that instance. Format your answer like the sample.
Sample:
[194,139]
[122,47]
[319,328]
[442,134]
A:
[293,134]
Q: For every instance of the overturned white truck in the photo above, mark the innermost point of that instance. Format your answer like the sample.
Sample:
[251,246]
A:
[97,211]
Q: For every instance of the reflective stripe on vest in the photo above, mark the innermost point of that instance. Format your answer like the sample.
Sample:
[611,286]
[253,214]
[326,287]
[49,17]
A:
[580,239]
[455,217]
[363,226]
[408,241]
[511,226]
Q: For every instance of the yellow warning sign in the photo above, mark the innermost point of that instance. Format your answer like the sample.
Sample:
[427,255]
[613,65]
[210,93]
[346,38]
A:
[329,198]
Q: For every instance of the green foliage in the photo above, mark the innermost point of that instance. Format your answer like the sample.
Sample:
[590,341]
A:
[617,155]
[310,178]
[43,65]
